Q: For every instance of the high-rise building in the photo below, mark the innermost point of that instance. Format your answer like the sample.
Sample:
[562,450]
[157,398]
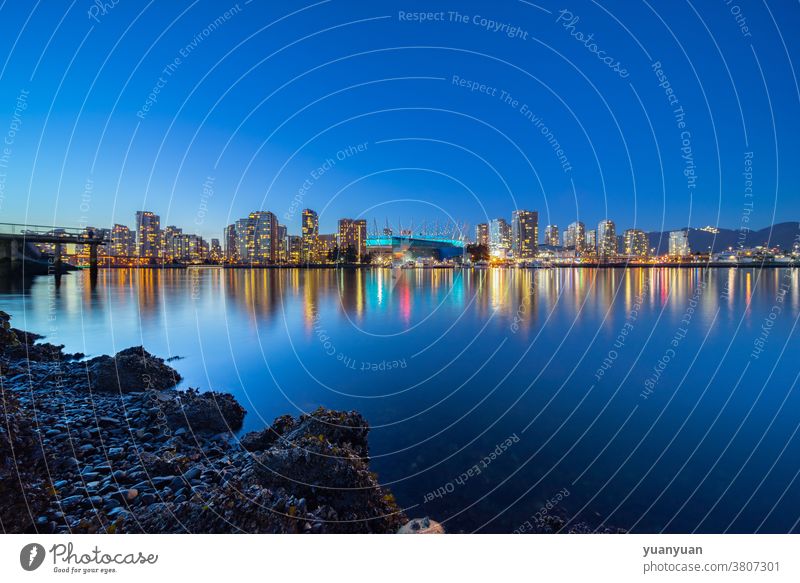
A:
[679,244]
[606,240]
[636,244]
[187,248]
[326,245]
[230,246]
[575,237]
[482,234]
[282,244]
[170,243]
[104,234]
[524,233]
[123,241]
[352,239]
[242,229]
[295,249]
[215,252]
[263,238]
[499,238]
[148,235]
[591,242]
[551,235]
[310,233]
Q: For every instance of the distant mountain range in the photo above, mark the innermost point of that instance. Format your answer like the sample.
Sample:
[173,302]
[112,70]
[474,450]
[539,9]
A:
[781,235]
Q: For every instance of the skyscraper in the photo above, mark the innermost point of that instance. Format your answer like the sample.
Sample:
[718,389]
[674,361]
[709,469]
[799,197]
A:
[352,239]
[524,233]
[310,234]
[230,245]
[499,238]
[636,244]
[263,241]
[606,239]
[282,243]
[170,243]
[123,241]
[591,242]
[148,235]
[215,251]
[242,233]
[575,236]
[679,244]
[482,234]
[551,235]
[325,246]
[295,248]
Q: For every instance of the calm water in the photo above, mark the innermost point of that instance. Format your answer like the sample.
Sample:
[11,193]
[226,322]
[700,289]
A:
[636,391]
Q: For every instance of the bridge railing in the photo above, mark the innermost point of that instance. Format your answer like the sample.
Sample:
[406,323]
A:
[43,231]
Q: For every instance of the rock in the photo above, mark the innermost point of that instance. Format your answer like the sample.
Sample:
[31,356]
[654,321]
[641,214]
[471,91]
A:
[209,412]
[421,526]
[117,512]
[132,369]
[71,501]
[299,475]
[192,474]
[8,338]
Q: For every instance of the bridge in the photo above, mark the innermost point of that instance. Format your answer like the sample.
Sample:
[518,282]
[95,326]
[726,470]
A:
[14,240]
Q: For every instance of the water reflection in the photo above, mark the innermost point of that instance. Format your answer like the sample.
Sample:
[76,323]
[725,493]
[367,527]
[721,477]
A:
[416,351]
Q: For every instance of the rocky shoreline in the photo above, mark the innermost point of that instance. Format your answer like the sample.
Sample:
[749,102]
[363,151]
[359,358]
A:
[109,445]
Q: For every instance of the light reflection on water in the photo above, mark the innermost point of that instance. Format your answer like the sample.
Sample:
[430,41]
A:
[447,364]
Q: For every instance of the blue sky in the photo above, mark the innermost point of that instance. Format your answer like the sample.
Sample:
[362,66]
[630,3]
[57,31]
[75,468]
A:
[358,109]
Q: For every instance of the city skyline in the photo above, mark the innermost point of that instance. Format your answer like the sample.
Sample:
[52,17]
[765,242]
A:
[260,239]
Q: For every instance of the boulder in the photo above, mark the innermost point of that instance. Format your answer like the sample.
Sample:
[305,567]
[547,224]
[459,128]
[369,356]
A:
[421,526]
[209,412]
[338,427]
[8,338]
[132,369]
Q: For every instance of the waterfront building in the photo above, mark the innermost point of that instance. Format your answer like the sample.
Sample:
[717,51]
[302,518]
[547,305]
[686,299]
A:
[326,247]
[148,235]
[551,235]
[606,240]
[482,234]
[679,244]
[230,246]
[123,241]
[591,242]
[282,244]
[310,234]
[215,252]
[242,228]
[499,238]
[295,249]
[263,243]
[575,236]
[169,242]
[524,233]
[187,248]
[352,239]
[636,244]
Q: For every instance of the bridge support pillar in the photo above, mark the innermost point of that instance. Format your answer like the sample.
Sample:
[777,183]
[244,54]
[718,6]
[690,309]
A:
[93,258]
[57,262]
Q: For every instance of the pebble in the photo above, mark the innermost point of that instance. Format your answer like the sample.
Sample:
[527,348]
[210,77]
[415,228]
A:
[71,501]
